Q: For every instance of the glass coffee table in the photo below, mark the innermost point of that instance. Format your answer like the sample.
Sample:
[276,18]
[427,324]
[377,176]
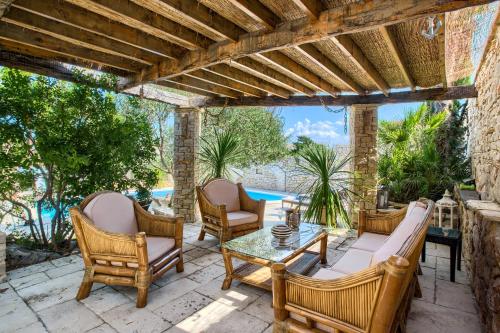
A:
[260,250]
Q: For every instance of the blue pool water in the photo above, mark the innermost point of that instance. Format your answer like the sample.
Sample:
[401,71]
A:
[256,195]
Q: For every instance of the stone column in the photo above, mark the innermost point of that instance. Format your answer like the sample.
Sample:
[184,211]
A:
[3,255]
[363,125]
[186,144]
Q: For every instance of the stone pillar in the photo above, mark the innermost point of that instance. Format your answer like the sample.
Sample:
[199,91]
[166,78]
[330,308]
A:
[186,144]
[363,125]
[3,254]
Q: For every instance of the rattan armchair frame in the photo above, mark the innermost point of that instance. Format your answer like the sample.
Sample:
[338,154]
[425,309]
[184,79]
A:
[375,300]
[121,259]
[214,217]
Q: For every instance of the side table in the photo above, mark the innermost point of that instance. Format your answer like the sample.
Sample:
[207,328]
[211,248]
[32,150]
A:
[450,237]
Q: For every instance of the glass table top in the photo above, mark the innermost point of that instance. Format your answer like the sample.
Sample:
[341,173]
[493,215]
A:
[261,244]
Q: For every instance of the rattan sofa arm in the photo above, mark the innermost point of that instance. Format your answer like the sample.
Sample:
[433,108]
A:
[380,223]
[157,225]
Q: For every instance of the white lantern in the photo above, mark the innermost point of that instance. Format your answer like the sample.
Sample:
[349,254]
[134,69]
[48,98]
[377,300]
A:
[446,202]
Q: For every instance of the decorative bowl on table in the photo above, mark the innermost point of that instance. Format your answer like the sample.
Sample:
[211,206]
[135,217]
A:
[281,232]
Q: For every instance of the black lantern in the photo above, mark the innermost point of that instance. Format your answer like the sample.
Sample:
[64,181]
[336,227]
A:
[382,197]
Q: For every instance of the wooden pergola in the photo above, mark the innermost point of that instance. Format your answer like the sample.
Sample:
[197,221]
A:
[242,52]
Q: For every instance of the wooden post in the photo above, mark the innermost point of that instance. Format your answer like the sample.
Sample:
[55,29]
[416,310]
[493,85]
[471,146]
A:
[143,275]
[179,225]
[228,264]
[361,222]
[278,272]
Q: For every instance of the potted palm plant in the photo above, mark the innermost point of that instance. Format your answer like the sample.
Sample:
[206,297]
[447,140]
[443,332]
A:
[217,153]
[328,193]
[144,197]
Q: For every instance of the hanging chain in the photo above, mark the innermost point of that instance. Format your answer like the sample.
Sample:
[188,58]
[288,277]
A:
[339,110]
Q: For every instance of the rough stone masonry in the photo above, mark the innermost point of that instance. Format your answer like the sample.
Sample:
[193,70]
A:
[3,252]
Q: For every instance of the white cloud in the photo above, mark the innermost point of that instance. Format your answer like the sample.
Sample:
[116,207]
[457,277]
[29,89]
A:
[319,131]
[339,122]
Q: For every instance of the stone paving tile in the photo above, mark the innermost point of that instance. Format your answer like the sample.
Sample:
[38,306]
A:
[430,261]
[36,327]
[104,328]
[26,271]
[426,318]
[172,275]
[29,280]
[235,296]
[456,296]
[14,313]
[68,317]
[105,299]
[73,259]
[207,274]
[183,307]
[54,291]
[171,291]
[65,269]
[218,317]
[262,308]
[128,318]
[131,292]
[207,259]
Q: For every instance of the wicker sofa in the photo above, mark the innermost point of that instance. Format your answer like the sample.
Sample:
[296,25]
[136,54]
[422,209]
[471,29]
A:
[227,211]
[122,244]
[368,290]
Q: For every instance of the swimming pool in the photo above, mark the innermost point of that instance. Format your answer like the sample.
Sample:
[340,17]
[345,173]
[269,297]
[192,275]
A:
[254,194]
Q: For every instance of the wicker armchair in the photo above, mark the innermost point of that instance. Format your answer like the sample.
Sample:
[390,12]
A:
[122,244]
[227,211]
[373,299]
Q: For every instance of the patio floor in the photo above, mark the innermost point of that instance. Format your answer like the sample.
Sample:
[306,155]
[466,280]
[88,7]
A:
[41,297]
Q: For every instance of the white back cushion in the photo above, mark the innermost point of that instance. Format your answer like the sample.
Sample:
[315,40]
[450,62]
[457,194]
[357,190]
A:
[413,220]
[223,192]
[112,212]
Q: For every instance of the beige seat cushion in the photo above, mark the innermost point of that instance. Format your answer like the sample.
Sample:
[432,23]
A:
[223,192]
[112,212]
[353,261]
[400,235]
[369,242]
[328,274]
[157,246]
[241,217]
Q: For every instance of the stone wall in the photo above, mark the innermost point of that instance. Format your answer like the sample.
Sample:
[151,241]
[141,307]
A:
[481,251]
[186,145]
[363,125]
[484,124]
[3,252]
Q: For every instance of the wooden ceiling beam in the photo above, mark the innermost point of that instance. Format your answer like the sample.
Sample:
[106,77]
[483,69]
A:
[177,86]
[222,81]
[13,33]
[89,21]
[312,8]
[194,14]
[77,36]
[396,54]
[143,19]
[208,87]
[350,18]
[354,53]
[298,72]
[245,78]
[258,69]
[434,94]
[314,55]
[257,11]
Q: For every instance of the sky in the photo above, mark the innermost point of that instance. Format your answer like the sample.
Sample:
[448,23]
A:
[327,127]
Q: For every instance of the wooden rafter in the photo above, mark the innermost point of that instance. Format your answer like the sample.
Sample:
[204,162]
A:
[314,55]
[350,18]
[356,56]
[180,87]
[143,19]
[89,21]
[312,8]
[245,78]
[260,70]
[222,81]
[392,44]
[77,36]
[257,11]
[4,6]
[298,72]
[194,15]
[398,97]
[203,85]
[13,33]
